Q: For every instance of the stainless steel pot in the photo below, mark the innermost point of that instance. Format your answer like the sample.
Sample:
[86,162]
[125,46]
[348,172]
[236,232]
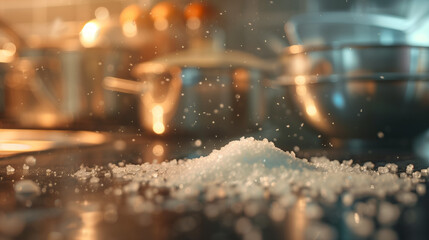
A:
[56,88]
[199,92]
[360,92]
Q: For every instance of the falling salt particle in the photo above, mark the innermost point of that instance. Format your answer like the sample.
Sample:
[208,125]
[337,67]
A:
[119,145]
[380,135]
[30,161]
[10,169]
[197,143]
[296,149]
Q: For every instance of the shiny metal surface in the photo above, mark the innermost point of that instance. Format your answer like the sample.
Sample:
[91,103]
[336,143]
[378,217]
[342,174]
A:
[359,91]
[57,88]
[199,93]
[14,141]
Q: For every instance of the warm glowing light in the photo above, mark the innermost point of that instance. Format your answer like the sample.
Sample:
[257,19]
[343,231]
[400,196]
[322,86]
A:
[129,29]
[102,13]
[90,33]
[47,119]
[311,110]
[300,80]
[296,49]
[158,119]
[7,52]
[356,217]
[160,24]
[158,150]
[301,90]
[193,23]
[15,147]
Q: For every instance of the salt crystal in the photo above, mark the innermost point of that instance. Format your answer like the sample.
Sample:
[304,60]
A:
[197,143]
[409,169]
[10,169]
[30,161]
[25,167]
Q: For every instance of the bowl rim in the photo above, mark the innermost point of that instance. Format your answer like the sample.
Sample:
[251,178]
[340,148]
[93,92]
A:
[304,49]
[335,78]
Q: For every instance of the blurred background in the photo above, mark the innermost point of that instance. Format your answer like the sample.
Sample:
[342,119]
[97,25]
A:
[335,69]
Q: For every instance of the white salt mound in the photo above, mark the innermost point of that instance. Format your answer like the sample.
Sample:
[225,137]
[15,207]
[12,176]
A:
[248,169]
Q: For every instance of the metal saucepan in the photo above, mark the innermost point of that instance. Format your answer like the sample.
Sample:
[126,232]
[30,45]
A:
[199,92]
[57,88]
[359,92]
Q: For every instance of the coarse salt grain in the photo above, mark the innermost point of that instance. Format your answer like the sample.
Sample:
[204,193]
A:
[249,169]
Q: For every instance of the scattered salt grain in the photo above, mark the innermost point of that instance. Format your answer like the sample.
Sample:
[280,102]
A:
[25,167]
[197,143]
[30,161]
[10,169]
[409,169]
[247,169]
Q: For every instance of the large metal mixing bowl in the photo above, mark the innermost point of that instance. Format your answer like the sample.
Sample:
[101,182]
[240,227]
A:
[359,92]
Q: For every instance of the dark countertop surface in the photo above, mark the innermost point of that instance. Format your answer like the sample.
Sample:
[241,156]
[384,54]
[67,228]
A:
[71,209]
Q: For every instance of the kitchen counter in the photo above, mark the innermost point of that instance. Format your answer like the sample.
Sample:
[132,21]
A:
[71,209]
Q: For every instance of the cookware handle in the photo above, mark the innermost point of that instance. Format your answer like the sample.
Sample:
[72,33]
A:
[124,85]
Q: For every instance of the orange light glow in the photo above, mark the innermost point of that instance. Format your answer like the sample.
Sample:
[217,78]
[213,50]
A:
[294,49]
[158,150]
[129,29]
[158,119]
[90,33]
[7,52]
[311,109]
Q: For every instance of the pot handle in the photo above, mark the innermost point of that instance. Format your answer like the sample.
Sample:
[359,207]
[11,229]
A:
[124,85]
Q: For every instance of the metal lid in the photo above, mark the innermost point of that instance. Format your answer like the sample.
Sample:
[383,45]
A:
[204,58]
